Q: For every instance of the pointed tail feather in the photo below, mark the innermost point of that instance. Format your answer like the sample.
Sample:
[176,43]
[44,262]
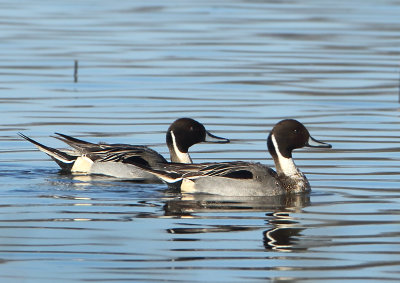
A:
[73,142]
[166,176]
[63,159]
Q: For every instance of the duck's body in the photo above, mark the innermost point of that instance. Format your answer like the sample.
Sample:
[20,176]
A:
[238,179]
[121,160]
[248,178]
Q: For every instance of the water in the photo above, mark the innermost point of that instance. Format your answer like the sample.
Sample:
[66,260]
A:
[237,66]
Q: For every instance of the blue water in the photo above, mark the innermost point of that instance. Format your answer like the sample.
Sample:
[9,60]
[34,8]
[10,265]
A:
[236,66]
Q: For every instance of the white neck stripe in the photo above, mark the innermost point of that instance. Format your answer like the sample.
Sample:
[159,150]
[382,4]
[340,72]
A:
[182,157]
[286,164]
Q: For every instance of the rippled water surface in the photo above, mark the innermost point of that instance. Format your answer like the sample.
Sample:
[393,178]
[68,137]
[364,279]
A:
[238,67]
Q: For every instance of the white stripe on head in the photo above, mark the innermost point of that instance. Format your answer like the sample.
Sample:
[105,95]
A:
[182,157]
[287,165]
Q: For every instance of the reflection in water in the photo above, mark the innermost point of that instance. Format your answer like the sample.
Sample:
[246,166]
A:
[283,236]
[187,205]
[213,229]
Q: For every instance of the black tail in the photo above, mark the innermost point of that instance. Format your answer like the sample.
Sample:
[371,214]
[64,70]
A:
[63,159]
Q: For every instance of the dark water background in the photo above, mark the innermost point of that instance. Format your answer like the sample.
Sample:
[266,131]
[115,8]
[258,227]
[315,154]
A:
[237,66]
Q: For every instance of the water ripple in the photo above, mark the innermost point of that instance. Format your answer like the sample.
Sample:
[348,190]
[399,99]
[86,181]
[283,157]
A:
[238,67]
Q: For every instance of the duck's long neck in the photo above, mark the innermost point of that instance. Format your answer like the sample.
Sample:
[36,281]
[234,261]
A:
[175,153]
[291,177]
[284,164]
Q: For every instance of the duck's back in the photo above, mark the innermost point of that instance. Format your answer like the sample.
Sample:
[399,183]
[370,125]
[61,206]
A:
[255,180]
[120,162]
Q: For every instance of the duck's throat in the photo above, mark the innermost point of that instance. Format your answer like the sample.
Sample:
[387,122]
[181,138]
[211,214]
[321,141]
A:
[284,165]
[291,177]
[176,154]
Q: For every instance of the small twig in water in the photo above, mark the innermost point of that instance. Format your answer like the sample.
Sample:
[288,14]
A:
[75,71]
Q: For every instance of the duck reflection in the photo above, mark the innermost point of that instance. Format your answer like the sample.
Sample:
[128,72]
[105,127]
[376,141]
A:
[187,205]
[282,235]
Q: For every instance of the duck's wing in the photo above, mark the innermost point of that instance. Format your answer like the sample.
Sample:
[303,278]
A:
[131,154]
[236,169]
[104,152]
[176,172]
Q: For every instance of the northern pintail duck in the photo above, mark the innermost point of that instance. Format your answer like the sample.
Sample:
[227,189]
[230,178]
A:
[118,160]
[240,178]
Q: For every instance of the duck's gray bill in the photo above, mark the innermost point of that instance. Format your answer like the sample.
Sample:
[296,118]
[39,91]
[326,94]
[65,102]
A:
[214,139]
[314,143]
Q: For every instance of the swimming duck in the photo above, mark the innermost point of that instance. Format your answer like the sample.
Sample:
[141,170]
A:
[118,160]
[240,178]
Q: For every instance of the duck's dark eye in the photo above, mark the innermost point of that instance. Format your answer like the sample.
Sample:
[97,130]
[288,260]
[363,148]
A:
[295,131]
